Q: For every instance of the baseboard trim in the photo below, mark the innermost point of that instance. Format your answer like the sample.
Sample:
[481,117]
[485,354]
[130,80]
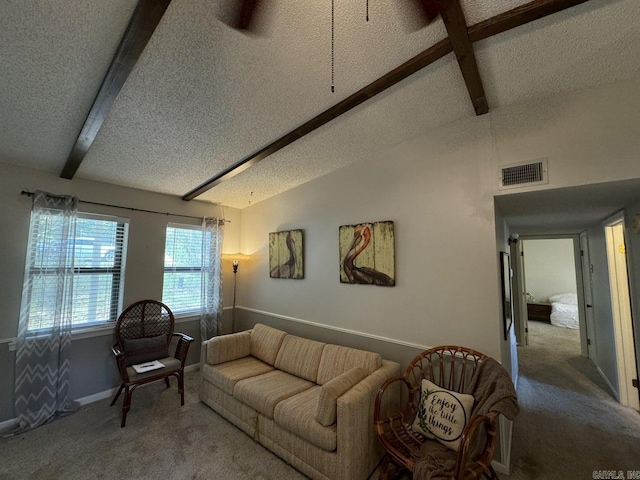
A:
[96,397]
[614,392]
[337,329]
[500,467]
[8,425]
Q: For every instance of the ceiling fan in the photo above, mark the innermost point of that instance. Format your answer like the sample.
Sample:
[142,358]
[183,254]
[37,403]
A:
[243,13]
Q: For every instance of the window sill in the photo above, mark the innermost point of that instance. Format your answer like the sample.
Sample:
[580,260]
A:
[80,333]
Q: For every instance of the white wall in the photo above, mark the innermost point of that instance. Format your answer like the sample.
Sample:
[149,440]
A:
[549,267]
[589,136]
[437,189]
[92,366]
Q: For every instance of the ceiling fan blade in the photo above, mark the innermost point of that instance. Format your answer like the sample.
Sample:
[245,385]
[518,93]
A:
[429,9]
[246,14]
[239,14]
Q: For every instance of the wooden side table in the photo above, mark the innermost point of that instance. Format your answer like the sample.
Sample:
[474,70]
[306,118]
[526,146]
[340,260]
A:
[539,311]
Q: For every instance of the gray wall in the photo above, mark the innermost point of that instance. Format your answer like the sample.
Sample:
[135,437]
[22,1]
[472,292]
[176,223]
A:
[92,365]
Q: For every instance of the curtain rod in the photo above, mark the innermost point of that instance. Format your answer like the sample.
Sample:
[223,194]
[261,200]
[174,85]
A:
[30,194]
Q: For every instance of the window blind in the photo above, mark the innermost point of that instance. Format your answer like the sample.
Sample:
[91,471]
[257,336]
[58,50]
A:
[182,286]
[98,258]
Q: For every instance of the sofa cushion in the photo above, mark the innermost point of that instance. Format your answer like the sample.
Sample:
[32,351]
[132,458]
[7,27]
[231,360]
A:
[226,375]
[336,360]
[265,342]
[332,390]
[300,357]
[169,363]
[228,347]
[145,349]
[265,391]
[297,413]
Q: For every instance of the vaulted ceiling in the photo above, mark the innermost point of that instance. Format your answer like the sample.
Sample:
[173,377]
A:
[204,97]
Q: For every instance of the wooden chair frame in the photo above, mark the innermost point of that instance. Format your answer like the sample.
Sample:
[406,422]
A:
[450,367]
[138,312]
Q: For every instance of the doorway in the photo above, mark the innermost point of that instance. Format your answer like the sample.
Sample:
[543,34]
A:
[552,289]
[621,311]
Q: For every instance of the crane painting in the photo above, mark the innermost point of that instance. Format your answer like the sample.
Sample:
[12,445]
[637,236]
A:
[367,254]
[285,255]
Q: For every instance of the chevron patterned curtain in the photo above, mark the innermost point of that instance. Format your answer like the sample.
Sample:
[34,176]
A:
[44,329]
[211,297]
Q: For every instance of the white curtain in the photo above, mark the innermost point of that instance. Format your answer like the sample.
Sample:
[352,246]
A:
[211,297]
[44,329]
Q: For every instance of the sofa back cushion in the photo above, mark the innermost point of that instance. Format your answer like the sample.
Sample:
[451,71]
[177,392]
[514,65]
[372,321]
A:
[266,342]
[326,411]
[300,357]
[337,359]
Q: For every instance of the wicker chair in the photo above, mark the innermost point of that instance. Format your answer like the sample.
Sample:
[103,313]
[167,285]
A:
[143,333]
[450,367]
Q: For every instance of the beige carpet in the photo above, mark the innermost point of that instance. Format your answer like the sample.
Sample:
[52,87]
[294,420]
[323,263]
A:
[569,425]
[161,441]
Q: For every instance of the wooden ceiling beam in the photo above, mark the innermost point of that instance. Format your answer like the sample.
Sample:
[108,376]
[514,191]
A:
[456,25]
[396,75]
[516,17]
[143,23]
[519,16]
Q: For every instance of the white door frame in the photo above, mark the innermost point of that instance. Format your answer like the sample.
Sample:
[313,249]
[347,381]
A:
[587,270]
[579,285]
[614,229]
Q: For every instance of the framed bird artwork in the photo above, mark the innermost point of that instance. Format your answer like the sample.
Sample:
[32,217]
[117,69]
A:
[286,255]
[367,254]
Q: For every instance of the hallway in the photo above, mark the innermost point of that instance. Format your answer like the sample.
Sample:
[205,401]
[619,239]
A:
[569,426]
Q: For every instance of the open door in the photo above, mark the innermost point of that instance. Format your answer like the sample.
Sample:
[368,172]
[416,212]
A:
[587,270]
[519,293]
[621,310]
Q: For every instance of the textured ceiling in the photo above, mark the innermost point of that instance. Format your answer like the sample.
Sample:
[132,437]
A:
[204,96]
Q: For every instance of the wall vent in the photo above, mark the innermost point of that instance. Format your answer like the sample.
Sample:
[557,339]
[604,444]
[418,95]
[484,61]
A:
[524,174]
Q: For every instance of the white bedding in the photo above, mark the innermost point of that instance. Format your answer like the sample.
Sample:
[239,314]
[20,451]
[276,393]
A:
[564,310]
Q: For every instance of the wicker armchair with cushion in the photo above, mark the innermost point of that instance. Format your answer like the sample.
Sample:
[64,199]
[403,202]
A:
[452,397]
[143,334]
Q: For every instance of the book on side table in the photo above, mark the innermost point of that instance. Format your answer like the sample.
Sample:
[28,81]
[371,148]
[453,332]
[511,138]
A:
[147,366]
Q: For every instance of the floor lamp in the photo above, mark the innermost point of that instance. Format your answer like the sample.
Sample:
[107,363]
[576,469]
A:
[235,258]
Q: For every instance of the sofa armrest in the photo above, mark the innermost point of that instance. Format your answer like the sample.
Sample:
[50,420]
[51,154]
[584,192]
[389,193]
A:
[225,348]
[358,445]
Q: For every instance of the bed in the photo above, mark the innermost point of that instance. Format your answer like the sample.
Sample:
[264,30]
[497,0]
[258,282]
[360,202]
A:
[564,310]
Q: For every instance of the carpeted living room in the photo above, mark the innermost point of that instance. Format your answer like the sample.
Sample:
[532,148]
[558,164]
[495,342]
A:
[271,239]
[564,430]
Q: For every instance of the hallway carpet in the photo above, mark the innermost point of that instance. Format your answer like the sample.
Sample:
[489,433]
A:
[570,426]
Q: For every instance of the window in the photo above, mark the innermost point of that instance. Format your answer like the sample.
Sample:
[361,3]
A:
[182,287]
[98,267]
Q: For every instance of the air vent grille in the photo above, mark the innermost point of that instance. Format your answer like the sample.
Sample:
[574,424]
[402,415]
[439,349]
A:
[526,174]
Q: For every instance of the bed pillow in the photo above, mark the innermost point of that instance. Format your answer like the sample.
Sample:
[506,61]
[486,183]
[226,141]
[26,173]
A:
[568,298]
[442,414]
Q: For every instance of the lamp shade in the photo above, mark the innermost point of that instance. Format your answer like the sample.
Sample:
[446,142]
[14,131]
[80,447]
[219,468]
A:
[236,257]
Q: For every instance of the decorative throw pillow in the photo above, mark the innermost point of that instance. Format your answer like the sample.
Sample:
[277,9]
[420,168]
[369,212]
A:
[326,413]
[145,349]
[442,414]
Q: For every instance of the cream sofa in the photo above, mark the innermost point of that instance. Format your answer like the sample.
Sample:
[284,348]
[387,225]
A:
[308,402]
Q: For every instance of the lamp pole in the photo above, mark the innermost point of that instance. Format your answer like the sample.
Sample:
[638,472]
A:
[233,312]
